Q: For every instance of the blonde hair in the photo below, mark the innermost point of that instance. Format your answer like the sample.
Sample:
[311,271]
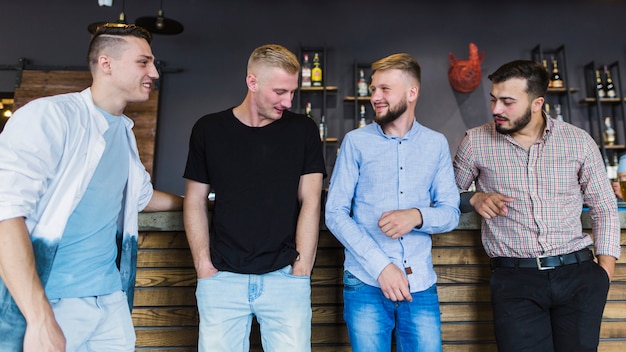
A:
[274,55]
[403,62]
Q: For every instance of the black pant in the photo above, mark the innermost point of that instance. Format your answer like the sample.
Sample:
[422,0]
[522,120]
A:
[553,310]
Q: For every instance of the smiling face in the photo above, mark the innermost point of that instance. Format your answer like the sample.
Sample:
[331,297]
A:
[391,91]
[511,106]
[272,90]
[133,71]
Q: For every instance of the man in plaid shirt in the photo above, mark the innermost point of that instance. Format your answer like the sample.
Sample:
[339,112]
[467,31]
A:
[533,174]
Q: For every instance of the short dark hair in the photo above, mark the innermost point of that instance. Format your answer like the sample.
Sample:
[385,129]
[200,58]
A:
[109,35]
[536,76]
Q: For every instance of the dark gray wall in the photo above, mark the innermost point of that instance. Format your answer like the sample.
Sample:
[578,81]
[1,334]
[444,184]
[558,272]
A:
[219,36]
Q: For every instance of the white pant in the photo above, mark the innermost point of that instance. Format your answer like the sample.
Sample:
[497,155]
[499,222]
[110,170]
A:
[100,323]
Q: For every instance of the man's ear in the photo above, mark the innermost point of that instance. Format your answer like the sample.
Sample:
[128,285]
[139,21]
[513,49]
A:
[252,82]
[537,104]
[104,63]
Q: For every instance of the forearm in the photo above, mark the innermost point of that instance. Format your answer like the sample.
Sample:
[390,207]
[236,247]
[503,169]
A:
[307,234]
[163,201]
[19,272]
[307,228]
[195,218]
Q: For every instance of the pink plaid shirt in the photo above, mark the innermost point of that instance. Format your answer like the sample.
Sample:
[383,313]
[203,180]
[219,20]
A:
[549,183]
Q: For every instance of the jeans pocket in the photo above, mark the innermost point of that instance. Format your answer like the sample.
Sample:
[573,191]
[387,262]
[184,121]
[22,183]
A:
[351,282]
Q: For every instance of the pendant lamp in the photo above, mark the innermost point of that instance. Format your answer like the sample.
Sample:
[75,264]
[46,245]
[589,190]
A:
[120,19]
[160,24]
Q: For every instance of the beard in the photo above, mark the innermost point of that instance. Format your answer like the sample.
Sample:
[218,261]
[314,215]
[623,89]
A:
[392,114]
[517,125]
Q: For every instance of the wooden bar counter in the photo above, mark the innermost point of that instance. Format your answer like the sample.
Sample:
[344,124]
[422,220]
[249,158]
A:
[166,318]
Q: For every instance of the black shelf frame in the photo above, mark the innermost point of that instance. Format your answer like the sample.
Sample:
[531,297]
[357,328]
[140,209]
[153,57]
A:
[539,54]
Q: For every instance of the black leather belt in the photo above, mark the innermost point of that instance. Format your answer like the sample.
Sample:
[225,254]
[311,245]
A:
[543,263]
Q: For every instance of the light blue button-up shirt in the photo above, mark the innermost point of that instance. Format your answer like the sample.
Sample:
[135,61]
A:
[375,173]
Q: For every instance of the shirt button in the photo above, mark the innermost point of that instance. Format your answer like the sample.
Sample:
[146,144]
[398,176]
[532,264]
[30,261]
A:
[401,168]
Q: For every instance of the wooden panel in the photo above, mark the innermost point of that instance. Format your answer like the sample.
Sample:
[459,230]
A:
[41,83]
[167,258]
[165,297]
[159,240]
[459,256]
[459,312]
[186,316]
[174,337]
[165,277]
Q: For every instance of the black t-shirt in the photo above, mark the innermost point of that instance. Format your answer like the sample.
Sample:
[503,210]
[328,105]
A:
[255,174]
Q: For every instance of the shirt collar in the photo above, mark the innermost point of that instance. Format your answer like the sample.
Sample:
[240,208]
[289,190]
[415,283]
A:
[415,127]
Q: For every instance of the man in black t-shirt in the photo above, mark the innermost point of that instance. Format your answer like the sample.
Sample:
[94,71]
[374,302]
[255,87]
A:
[255,256]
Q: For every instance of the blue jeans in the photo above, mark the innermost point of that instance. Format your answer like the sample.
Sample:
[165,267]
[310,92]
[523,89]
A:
[100,323]
[372,318]
[280,301]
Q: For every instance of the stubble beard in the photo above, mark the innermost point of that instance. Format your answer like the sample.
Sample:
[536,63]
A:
[392,115]
[517,125]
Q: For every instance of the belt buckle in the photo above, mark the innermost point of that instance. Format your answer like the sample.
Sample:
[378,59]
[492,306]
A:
[541,267]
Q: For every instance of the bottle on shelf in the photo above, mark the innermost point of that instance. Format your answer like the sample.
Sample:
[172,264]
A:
[609,132]
[614,166]
[306,71]
[322,127]
[611,171]
[316,71]
[610,87]
[556,81]
[362,121]
[601,92]
[362,88]
[307,110]
[557,111]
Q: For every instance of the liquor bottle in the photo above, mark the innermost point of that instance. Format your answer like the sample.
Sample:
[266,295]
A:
[362,121]
[614,166]
[322,128]
[362,88]
[307,111]
[316,72]
[306,71]
[611,172]
[609,132]
[600,91]
[557,110]
[610,87]
[555,79]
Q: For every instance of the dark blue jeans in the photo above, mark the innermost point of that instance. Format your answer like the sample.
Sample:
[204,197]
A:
[558,310]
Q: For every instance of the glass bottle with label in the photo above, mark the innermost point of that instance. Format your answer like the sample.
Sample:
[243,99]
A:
[306,71]
[362,121]
[609,132]
[322,128]
[362,88]
[610,86]
[557,111]
[316,72]
[307,110]
[600,91]
[556,81]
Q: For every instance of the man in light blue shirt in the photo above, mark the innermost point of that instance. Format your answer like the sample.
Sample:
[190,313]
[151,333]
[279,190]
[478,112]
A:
[391,189]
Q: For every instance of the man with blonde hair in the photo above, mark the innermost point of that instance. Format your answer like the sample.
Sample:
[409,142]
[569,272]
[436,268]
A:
[255,256]
[392,188]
